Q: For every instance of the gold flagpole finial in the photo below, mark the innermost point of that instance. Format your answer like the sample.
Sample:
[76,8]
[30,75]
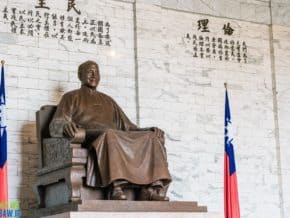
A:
[2,62]
[226,85]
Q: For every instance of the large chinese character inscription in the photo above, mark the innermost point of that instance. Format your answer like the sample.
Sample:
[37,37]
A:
[223,48]
[40,22]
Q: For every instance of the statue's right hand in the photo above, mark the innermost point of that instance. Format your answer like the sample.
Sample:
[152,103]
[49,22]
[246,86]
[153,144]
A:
[70,129]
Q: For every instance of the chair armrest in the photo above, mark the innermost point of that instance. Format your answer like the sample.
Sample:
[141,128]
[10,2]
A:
[60,152]
[79,136]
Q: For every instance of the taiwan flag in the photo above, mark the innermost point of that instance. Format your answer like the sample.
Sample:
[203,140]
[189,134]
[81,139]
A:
[3,145]
[231,198]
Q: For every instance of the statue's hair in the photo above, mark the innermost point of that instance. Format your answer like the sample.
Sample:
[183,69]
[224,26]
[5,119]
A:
[82,68]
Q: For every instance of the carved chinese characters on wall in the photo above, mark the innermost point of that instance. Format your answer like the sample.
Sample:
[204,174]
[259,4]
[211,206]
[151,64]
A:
[40,22]
[210,46]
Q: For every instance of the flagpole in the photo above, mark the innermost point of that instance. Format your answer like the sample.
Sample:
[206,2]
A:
[231,197]
[3,147]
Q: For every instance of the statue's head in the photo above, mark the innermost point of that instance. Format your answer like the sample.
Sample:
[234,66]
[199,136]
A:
[88,74]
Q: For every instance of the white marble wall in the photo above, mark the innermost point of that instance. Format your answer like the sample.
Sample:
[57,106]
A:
[179,93]
[248,10]
[281,12]
[282,65]
[185,96]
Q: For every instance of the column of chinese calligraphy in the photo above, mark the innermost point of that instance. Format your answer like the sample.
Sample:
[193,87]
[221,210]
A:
[217,48]
[205,46]
[58,26]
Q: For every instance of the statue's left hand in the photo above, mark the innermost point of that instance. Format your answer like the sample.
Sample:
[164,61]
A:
[70,129]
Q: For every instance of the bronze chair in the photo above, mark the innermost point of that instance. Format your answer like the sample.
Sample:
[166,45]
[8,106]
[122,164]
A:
[61,166]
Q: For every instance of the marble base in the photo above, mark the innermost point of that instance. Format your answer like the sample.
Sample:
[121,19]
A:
[113,208]
[135,215]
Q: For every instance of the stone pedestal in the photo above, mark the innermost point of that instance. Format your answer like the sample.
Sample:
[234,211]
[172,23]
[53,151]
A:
[91,208]
[135,215]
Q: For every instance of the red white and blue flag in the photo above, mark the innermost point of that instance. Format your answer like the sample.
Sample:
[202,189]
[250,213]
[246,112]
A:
[231,197]
[3,144]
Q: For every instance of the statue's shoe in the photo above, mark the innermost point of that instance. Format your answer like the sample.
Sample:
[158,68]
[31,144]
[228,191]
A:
[150,194]
[118,194]
[157,197]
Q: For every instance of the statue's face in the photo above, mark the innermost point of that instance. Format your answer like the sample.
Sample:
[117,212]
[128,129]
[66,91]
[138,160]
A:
[90,77]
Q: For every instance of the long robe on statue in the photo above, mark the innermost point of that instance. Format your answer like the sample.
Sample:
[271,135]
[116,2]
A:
[118,150]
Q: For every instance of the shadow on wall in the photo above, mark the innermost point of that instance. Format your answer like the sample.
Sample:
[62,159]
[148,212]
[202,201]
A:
[56,96]
[29,164]
[30,159]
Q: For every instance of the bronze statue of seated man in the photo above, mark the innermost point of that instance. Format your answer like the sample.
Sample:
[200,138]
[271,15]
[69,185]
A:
[120,153]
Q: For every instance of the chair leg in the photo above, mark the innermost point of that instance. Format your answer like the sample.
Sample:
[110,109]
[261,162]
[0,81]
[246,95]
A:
[75,185]
[41,195]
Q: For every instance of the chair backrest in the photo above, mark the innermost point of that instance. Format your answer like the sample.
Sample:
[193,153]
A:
[43,119]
